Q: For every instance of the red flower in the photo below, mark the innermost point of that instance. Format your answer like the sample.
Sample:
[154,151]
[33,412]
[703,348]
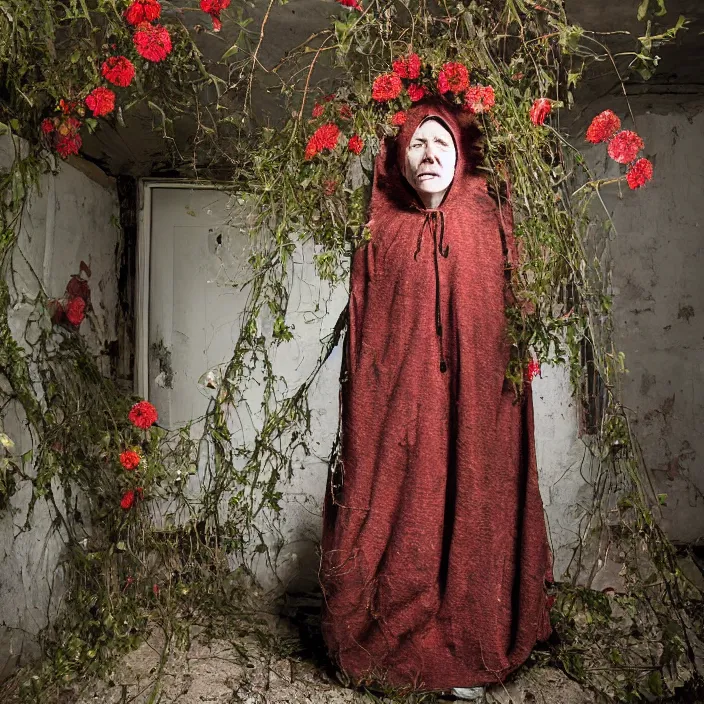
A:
[152,42]
[639,174]
[119,70]
[127,500]
[75,310]
[67,106]
[129,459]
[325,137]
[533,369]
[100,101]
[330,186]
[386,87]
[346,112]
[318,110]
[156,590]
[356,144]
[453,77]
[329,98]
[47,125]
[143,415]
[142,11]
[603,127]
[416,92]
[479,99]
[624,146]
[541,108]
[398,118]
[351,3]
[408,67]
[214,8]
[68,144]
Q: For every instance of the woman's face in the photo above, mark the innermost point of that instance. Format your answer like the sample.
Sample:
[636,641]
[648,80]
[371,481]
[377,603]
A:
[430,162]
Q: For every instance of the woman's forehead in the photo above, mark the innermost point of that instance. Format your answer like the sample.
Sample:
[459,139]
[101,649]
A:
[431,127]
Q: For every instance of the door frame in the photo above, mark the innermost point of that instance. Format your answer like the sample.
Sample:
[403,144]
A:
[145,186]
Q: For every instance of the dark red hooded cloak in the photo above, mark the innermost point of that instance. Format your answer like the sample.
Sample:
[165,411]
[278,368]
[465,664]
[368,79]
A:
[435,555]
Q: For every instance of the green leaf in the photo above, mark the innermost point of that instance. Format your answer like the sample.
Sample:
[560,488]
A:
[643,10]
[662,10]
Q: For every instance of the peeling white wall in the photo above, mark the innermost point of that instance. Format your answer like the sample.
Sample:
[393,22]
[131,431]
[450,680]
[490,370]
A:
[658,291]
[72,218]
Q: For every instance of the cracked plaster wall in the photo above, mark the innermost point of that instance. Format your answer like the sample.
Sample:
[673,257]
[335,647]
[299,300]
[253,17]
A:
[69,220]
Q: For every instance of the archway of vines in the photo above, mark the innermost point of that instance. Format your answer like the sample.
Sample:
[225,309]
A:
[151,518]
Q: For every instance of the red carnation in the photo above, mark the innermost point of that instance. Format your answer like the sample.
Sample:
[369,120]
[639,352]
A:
[453,77]
[318,110]
[100,101]
[143,415]
[325,137]
[47,125]
[541,108]
[142,11]
[479,99]
[129,459]
[214,8]
[603,127]
[639,174]
[119,70]
[70,144]
[351,3]
[533,369]
[76,311]
[624,146]
[408,67]
[127,500]
[386,87]
[152,42]
[345,112]
[330,186]
[416,92]
[356,144]
[398,118]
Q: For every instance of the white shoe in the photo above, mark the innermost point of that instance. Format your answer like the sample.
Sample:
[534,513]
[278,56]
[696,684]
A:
[469,693]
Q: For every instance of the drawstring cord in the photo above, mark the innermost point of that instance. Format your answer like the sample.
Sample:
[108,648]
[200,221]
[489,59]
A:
[433,218]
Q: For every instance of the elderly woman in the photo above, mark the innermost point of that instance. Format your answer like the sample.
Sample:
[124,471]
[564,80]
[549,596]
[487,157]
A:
[435,558]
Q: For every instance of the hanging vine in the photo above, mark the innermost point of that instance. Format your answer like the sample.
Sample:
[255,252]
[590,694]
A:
[150,516]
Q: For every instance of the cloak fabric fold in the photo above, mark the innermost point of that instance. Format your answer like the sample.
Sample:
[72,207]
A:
[435,558]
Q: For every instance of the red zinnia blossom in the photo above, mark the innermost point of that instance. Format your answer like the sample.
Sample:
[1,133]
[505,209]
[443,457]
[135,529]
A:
[639,174]
[119,70]
[129,459]
[356,144]
[386,87]
[398,118]
[214,8]
[540,109]
[318,110]
[127,500]
[325,137]
[143,415]
[143,11]
[100,101]
[603,127]
[624,146]
[152,41]
[75,310]
[346,112]
[453,77]
[533,369]
[47,125]
[416,92]
[351,3]
[479,99]
[330,186]
[408,67]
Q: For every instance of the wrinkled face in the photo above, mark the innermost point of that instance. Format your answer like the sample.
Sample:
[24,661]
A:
[430,160]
